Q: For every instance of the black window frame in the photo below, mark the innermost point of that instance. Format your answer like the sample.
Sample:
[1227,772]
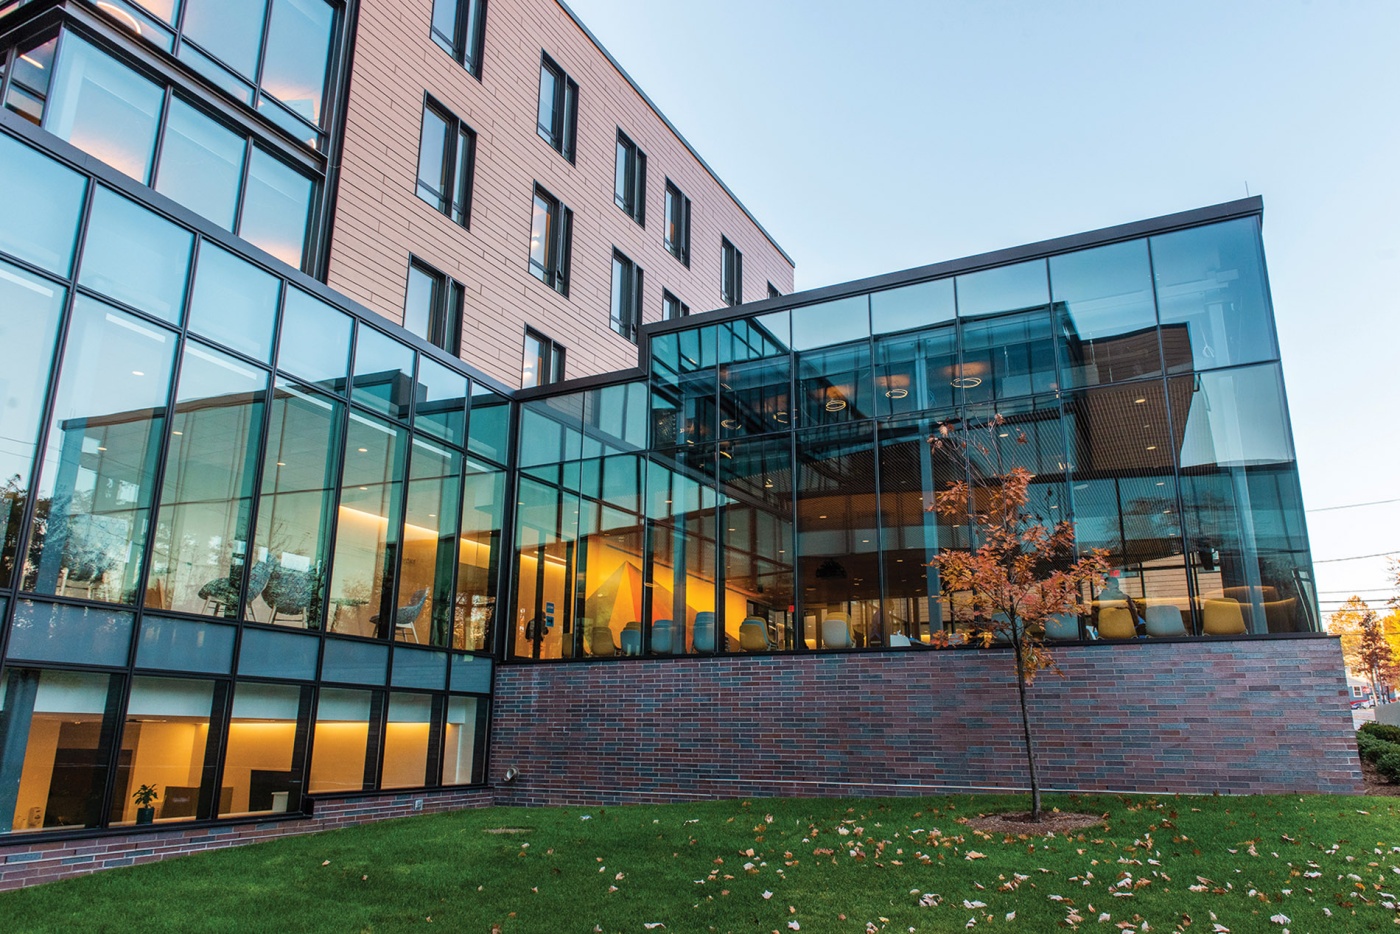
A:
[458,135]
[559,247]
[625,296]
[773,291]
[562,132]
[446,311]
[672,307]
[631,172]
[554,354]
[468,40]
[680,248]
[731,273]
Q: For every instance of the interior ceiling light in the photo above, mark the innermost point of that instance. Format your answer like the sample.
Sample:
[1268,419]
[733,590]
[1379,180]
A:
[835,405]
[1139,401]
[730,423]
[896,393]
[967,382]
[781,417]
[35,62]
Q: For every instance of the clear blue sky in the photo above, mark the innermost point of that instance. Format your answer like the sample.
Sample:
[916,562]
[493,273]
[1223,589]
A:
[879,136]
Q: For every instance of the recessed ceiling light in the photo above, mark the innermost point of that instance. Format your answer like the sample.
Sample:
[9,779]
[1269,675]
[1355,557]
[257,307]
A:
[281,464]
[363,450]
[137,373]
[1139,401]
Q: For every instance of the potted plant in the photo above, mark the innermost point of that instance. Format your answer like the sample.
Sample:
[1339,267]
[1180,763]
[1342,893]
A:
[145,813]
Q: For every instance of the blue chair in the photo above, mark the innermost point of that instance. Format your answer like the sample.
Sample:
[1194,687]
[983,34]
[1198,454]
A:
[662,634]
[631,638]
[704,637]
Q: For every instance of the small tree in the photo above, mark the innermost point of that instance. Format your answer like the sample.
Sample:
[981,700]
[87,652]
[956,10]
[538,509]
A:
[1022,572]
[1366,648]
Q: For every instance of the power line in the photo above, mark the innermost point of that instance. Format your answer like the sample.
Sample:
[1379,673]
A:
[1378,502]
[1379,554]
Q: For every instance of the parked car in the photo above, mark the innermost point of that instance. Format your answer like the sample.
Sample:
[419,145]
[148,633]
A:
[1361,703]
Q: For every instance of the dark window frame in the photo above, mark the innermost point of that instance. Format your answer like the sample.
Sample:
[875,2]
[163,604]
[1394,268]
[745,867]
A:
[467,43]
[680,248]
[450,202]
[669,302]
[625,296]
[446,310]
[631,172]
[731,273]
[773,291]
[559,247]
[562,132]
[553,355]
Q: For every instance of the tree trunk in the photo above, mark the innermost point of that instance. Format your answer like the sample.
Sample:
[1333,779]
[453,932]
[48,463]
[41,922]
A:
[1026,721]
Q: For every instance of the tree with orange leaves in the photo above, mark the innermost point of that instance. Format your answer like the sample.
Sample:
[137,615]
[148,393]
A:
[1022,572]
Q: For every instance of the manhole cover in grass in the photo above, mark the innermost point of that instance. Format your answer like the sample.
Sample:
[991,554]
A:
[509,830]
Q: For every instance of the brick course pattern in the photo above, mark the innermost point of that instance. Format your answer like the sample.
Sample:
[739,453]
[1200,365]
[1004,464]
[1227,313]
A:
[29,863]
[1190,717]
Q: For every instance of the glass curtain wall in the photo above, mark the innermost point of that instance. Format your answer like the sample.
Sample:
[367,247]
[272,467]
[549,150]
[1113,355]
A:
[203,513]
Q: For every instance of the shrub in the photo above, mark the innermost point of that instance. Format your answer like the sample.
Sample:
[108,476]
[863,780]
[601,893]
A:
[1385,731]
[1389,764]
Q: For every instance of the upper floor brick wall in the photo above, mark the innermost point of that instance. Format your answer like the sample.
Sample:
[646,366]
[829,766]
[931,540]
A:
[380,220]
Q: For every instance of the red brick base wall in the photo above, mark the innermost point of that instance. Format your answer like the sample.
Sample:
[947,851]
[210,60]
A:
[1190,717]
[27,863]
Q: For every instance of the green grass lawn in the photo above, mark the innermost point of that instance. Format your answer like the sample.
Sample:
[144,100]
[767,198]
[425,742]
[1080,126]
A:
[907,864]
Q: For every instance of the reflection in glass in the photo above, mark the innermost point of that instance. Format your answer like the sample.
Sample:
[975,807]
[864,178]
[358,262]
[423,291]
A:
[271,653]
[756,480]
[165,743]
[483,506]
[683,382]
[201,164]
[295,508]
[234,302]
[464,744]
[103,108]
[425,611]
[406,737]
[487,433]
[200,548]
[441,405]
[1105,319]
[755,392]
[1005,356]
[42,202]
[59,729]
[185,645]
[680,508]
[29,314]
[1210,281]
[917,371]
[231,30]
[315,342]
[383,373]
[62,632]
[835,384]
[263,759]
[96,481]
[276,206]
[608,590]
[294,63]
[367,531]
[838,570]
[546,528]
[1002,288]
[846,319]
[135,256]
[29,82]
[615,418]
[341,741]
[913,306]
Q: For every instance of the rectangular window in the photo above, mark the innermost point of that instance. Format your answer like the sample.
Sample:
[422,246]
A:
[446,156]
[551,236]
[432,307]
[677,231]
[672,307]
[630,179]
[773,291]
[558,111]
[626,296]
[731,286]
[544,361]
[459,26]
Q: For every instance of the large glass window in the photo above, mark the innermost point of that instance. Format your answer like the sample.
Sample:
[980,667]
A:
[407,741]
[681,560]
[755,376]
[558,110]
[912,307]
[42,202]
[58,728]
[295,57]
[234,302]
[230,30]
[367,529]
[835,385]
[104,108]
[441,407]
[430,551]
[263,760]
[483,507]
[544,361]
[30,79]
[201,164]
[459,26]
[446,154]
[135,256]
[1105,318]
[315,342]
[383,373]
[165,744]
[29,316]
[756,529]
[488,426]
[89,531]
[276,208]
[464,745]
[200,549]
[917,370]
[341,741]
[1212,297]
[551,238]
[609,592]
[684,404]
[296,509]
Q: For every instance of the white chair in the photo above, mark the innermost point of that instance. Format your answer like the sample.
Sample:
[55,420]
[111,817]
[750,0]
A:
[1164,620]
[899,640]
[836,632]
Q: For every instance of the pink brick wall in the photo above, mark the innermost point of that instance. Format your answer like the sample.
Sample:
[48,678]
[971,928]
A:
[1190,717]
[24,863]
[380,221]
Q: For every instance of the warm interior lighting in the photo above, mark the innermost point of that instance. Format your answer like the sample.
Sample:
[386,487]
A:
[1152,447]
[781,416]
[1139,401]
[896,393]
[34,62]
[122,16]
[177,433]
[835,405]
[363,450]
[281,464]
[729,423]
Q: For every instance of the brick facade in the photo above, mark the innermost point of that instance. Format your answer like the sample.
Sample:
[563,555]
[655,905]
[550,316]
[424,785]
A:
[380,221]
[1190,717]
[29,863]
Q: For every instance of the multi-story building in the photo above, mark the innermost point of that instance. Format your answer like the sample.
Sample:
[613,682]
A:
[298,531]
